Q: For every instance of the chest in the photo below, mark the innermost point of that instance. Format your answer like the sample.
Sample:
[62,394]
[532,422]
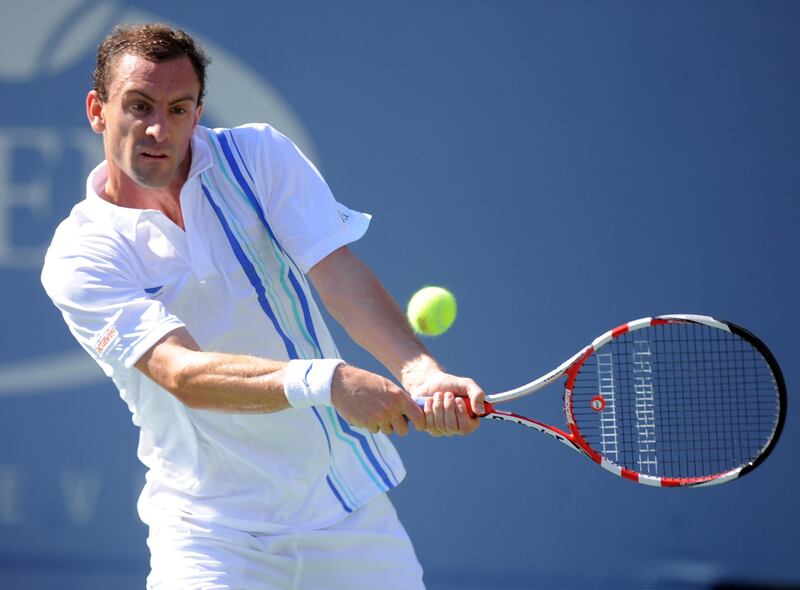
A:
[225,249]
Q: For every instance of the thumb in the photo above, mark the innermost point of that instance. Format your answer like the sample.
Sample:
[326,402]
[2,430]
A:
[413,411]
[476,397]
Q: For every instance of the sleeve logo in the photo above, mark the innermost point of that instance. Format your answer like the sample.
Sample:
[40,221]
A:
[106,340]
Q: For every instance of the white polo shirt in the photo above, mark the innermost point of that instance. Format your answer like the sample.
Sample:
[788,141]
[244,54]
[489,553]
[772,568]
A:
[257,217]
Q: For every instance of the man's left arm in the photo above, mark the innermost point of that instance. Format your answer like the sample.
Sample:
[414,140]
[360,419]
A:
[358,300]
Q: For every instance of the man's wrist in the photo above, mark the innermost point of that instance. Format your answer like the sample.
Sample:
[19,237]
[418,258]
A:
[307,382]
[418,370]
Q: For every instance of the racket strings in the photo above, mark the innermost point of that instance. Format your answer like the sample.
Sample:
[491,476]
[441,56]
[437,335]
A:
[677,401]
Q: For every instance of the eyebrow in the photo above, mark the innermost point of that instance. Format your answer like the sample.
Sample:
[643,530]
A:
[189,97]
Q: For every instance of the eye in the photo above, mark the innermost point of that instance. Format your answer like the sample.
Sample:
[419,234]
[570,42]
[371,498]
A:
[140,107]
[179,110]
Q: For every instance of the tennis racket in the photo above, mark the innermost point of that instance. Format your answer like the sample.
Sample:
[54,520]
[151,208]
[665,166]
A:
[673,400]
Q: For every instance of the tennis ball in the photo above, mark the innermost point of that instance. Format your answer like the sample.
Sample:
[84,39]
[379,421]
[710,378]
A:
[431,311]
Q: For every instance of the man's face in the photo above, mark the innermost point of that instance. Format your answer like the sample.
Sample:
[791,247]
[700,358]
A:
[148,120]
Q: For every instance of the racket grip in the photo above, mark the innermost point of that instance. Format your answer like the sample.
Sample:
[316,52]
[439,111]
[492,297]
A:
[486,405]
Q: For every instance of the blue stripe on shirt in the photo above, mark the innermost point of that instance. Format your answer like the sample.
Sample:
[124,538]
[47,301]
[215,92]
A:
[254,202]
[367,450]
[252,275]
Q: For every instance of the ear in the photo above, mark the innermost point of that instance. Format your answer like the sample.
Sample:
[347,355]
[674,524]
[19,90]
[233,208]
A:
[198,112]
[94,112]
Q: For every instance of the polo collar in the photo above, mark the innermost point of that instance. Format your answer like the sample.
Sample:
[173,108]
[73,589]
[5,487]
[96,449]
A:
[125,219]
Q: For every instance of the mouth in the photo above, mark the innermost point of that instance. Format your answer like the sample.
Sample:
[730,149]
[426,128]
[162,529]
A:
[154,152]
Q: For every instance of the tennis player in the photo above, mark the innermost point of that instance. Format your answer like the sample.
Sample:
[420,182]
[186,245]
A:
[185,273]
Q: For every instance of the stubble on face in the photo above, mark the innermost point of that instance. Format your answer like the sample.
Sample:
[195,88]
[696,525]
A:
[150,115]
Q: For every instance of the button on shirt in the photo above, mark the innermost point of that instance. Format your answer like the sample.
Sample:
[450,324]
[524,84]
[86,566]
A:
[257,217]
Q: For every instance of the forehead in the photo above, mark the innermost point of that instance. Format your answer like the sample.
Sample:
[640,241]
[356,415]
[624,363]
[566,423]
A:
[159,79]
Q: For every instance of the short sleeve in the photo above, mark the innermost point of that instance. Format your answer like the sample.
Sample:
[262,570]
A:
[307,220]
[111,317]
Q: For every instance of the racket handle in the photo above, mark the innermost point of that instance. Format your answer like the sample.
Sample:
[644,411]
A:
[488,408]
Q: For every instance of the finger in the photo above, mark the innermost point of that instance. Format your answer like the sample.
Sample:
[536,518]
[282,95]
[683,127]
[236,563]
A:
[438,413]
[449,414]
[400,425]
[467,422]
[430,425]
[386,428]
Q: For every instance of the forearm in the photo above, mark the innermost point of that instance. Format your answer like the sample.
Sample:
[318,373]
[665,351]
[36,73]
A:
[213,380]
[230,383]
[377,324]
[371,317]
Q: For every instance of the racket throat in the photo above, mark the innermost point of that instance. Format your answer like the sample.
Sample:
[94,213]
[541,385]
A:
[564,437]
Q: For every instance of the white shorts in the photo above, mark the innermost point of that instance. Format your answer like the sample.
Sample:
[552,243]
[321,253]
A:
[369,549]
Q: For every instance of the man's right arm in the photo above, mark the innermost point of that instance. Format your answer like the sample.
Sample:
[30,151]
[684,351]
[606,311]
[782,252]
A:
[246,384]
[214,381]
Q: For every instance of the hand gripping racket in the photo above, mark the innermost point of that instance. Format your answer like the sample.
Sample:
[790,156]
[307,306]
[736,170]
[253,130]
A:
[674,400]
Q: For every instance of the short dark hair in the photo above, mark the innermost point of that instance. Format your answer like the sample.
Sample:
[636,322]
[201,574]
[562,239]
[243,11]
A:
[155,42]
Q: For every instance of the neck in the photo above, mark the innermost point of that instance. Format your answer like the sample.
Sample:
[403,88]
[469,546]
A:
[123,191]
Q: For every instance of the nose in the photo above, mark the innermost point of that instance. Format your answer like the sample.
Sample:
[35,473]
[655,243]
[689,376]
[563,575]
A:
[157,127]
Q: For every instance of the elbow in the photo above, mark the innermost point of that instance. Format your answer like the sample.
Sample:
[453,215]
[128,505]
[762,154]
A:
[176,363]
[179,379]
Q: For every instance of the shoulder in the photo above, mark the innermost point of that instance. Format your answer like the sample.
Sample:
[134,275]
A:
[258,151]
[80,233]
[251,138]
[244,134]
[81,247]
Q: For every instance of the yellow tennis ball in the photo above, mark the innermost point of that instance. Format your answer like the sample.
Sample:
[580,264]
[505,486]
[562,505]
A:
[431,311]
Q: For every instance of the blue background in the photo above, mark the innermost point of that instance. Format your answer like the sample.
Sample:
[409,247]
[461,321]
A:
[563,167]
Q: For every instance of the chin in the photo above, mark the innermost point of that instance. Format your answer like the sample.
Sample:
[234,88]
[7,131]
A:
[151,181]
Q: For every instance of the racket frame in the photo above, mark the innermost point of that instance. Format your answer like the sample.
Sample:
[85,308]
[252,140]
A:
[575,440]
